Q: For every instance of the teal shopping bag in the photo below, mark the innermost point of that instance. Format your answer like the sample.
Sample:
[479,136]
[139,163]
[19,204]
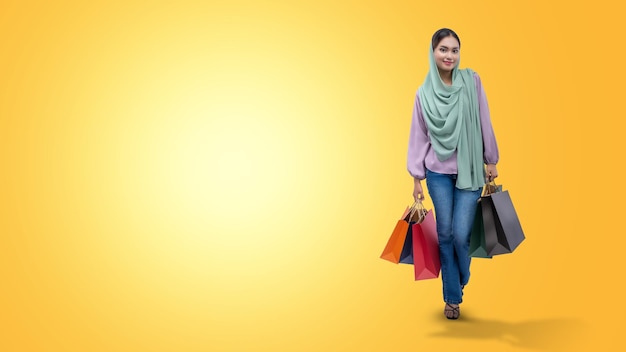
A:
[478,246]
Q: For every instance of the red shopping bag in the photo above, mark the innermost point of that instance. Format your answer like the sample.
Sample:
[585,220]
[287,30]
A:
[426,248]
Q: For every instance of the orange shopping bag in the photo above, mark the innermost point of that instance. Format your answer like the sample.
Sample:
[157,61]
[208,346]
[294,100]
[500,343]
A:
[393,249]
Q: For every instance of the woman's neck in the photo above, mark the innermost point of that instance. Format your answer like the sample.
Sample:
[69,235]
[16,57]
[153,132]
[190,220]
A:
[446,77]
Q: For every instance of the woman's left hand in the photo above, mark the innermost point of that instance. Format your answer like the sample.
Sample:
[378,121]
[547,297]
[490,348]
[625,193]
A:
[492,172]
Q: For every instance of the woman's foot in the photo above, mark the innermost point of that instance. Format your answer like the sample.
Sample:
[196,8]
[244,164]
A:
[452,311]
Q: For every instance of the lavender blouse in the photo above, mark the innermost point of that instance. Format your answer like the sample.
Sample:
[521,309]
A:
[421,154]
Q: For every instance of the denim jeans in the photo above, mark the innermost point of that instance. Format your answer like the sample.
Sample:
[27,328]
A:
[454,210]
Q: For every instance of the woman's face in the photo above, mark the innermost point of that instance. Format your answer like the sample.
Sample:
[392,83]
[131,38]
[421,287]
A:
[447,54]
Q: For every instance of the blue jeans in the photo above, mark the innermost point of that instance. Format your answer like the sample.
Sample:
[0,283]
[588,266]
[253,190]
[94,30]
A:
[454,209]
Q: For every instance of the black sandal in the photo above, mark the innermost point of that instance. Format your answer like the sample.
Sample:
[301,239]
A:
[451,312]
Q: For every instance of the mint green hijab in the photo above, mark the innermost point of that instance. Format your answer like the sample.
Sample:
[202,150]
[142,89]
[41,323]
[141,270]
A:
[453,120]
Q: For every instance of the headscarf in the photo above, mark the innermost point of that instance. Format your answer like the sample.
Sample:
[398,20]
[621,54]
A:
[453,120]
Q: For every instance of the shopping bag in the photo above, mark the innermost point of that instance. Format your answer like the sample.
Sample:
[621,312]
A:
[478,247]
[406,257]
[395,243]
[503,231]
[426,261]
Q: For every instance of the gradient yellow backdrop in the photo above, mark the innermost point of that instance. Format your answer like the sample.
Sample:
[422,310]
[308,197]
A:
[223,175]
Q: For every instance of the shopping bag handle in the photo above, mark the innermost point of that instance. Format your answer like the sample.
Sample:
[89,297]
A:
[418,206]
[412,210]
[490,188]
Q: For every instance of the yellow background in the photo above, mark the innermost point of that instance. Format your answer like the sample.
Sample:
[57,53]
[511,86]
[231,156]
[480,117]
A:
[223,175]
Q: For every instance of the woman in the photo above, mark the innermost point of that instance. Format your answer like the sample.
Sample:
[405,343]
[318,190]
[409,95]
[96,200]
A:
[451,141]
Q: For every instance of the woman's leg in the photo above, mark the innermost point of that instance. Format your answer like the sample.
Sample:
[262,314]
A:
[465,205]
[441,190]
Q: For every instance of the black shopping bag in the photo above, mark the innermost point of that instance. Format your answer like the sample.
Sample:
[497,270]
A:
[503,231]
[407,250]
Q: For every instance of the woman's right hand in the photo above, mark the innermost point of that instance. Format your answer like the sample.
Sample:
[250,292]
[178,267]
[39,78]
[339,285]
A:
[418,193]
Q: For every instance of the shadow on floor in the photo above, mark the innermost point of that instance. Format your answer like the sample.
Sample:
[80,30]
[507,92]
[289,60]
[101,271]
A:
[547,334]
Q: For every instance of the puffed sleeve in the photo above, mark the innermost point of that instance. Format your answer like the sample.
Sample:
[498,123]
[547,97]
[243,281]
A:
[491,154]
[419,142]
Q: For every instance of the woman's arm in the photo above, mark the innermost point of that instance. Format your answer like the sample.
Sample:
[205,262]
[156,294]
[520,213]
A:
[491,155]
[418,147]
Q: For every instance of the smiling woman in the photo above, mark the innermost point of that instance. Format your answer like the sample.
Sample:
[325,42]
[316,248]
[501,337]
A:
[220,175]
